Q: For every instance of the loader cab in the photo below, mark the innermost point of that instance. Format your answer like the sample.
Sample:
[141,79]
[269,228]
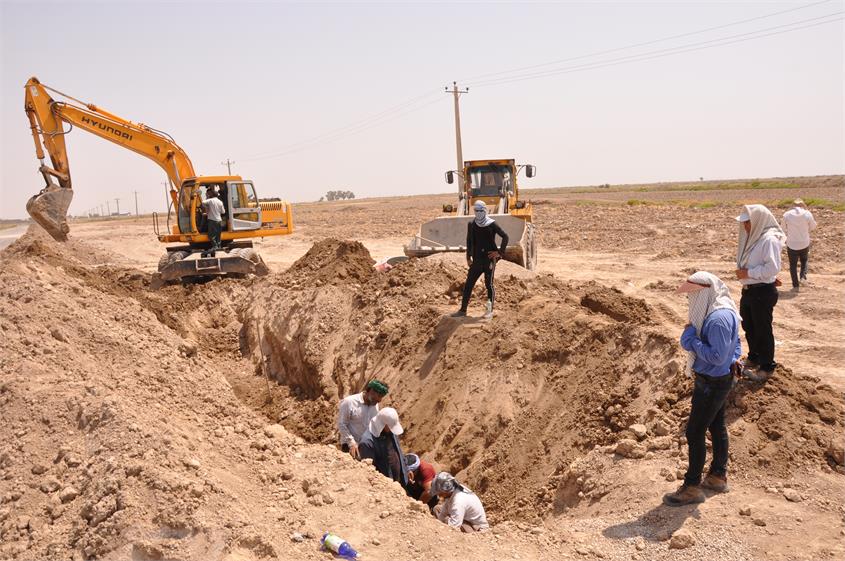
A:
[490,181]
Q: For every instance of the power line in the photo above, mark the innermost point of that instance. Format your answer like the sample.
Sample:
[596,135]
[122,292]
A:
[659,53]
[325,139]
[644,43]
[352,128]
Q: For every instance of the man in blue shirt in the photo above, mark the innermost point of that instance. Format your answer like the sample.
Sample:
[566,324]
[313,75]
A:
[712,339]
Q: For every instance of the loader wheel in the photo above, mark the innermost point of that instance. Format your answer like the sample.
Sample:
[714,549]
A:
[531,257]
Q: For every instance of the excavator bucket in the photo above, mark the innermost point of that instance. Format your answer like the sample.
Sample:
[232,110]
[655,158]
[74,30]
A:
[49,209]
[449,234]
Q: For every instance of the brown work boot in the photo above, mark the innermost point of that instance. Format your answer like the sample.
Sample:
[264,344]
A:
[715,483]
[685,495]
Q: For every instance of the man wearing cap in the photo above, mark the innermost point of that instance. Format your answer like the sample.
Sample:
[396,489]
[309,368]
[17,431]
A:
[380,443]
[482,255]
[355,413]
[798,222]
[461,509]
[712,339]
[420,476]
[758,264]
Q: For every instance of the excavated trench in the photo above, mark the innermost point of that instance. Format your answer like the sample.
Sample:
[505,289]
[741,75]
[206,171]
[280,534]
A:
[508,405]
[512,406]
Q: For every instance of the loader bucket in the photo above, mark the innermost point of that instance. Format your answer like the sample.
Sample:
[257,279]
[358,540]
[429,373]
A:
[49,209]
[449,234]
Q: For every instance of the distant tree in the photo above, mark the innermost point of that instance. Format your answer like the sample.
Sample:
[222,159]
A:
[339,195]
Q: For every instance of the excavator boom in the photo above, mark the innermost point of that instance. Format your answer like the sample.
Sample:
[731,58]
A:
[47,120]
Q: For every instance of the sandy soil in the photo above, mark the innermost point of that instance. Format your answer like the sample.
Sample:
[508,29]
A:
[142,424]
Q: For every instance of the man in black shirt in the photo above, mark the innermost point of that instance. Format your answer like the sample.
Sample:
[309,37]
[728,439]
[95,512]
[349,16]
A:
[482,255]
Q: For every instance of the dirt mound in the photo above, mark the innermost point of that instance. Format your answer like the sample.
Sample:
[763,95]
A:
[122,434]
[121,437]
[334,261]
[509,404]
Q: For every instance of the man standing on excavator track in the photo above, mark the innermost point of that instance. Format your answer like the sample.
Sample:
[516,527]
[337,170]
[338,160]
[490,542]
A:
[482,255]
[214,210]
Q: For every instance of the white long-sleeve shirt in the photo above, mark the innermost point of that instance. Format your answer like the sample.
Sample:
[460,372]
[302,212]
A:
[798,223]
[764,260]
[463,508]
[353,418]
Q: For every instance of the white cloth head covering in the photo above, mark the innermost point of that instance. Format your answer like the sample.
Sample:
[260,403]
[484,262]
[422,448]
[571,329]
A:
[387,417]
[445,482]
[481,217]
[763,224]
[714,296]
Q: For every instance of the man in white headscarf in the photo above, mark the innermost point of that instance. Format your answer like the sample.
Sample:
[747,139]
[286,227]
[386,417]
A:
[461,509]
[758,262]
[712,339]
[482,255]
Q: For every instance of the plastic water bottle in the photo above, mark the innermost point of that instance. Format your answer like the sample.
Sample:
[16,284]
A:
[338,545]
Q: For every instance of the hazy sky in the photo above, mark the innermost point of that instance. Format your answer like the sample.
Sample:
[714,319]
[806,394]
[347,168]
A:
[259,82]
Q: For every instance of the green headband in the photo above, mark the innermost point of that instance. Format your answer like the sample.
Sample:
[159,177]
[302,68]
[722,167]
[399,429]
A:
[377,386]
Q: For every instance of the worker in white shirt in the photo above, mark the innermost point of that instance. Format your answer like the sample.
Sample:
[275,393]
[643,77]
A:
[354,415]
[214,210]
[758,263]
[798,222]
[461,509]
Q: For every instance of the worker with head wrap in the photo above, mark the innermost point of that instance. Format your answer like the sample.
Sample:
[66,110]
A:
[355,413]
[420,476]
[380,444]
[462,509]
[758,263]
[482,255]
[712,339]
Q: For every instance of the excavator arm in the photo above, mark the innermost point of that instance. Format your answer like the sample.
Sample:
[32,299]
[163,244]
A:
[47,119]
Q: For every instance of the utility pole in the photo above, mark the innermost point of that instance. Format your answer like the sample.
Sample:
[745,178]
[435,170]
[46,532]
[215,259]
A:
[460,167]
[108,208]
[136,202]
[117,202]
[228,165]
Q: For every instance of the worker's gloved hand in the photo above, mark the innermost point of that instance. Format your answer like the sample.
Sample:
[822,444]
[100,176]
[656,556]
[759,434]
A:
[469,261]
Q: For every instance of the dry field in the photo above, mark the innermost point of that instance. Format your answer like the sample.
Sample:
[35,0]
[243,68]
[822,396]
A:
[140,424]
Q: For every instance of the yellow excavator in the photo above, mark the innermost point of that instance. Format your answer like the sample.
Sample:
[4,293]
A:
[494,182]
[246,216]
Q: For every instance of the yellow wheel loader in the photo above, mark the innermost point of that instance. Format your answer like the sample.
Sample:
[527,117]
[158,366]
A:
[245,215]
[494,182]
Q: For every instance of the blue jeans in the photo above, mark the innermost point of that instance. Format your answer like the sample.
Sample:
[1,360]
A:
[708,413]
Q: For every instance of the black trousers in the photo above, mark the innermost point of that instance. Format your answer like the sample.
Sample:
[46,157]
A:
[794,255]
[756,306]
[708,413]
[483,266]
[214,229]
